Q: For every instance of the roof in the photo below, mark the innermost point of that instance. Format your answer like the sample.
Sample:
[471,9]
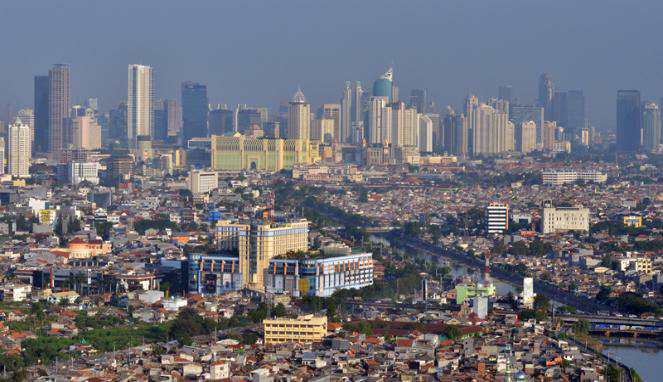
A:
[298,97]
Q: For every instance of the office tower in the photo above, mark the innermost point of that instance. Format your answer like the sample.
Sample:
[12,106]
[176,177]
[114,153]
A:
[382,87]
[272,129]
[584,136]
[332,111]
[202,182]
[247,117]
[118,123]
[546,92]
[497,217]
[173,119]
[379,121]
[549,132]
[19,150]
[139,103]
[160,121]
[500,105]
[490,131]
[575,113]
[526,137]
[220,121]
[258,243]
[2,155]
[85,133]
[419,100]
[425,134]
[27,117]
[404,125]
[651,126]
[92,103]
[58,106]
[299,117]
[522,113]
[505,92]
[559,112]
[346,114]
[195,107]
[323,130]
[41,92]
[628,120]
[357,105]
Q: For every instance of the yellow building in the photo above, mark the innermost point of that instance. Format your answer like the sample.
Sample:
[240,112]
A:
[633,220]
[258,243]
[238,152]
[303,329]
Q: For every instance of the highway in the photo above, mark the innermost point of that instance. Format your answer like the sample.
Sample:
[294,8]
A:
[540,287]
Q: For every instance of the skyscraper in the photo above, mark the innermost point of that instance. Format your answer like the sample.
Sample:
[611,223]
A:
[525,137]
[173,119]
[332,111]
[139,104]
[357,105]
[41,106]
[505,92]
[27,117]
[195,107]
[546,91]
[651,126]
[382,87]
[346,114]
[522,113]
[575,112]
[19,150]
[419,100]
[118,123]
[2,155]
[379,121]
[58,106]
[221,121]
[425,134]
[628,120]
[299,117]
[85,133]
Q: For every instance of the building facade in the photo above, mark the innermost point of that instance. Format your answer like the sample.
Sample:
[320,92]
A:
[195,109]
[303,329]
[497,215]
[202,182]
[562,219]
[299,117]
[20,150]
[58,106]
[557,178]
[139,103]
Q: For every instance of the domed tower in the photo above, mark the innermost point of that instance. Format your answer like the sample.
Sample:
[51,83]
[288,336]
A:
[382,86]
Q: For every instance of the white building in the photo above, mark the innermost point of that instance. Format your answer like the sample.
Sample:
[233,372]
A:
[20,150]
[498,217]
[139,103]
[425,134]
[85,133]
[528,292]
[78,172]
[562,177]
[526,137]
[2,155]
[27,117]
[202,182]
[379,121]
[299,117]
[637,264]
[560,219]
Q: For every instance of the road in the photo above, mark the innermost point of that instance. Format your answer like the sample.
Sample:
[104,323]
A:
[540,287]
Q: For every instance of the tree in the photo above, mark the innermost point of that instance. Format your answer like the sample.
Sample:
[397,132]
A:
[452,332]
[541,303]
[581,327]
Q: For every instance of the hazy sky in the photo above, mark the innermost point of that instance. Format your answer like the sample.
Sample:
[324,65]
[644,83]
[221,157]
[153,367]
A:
[259,51]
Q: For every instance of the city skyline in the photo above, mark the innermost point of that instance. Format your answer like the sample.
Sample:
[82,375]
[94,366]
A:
[264,76]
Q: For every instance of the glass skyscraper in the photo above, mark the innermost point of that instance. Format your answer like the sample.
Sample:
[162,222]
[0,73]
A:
[194,111]
[629,124]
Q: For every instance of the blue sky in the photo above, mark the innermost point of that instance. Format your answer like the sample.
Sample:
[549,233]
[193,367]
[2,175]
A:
[259,51]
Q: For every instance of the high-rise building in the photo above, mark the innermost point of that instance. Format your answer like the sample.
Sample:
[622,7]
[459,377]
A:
[195,107]
[382,87]
[247,117]
[85,133]
[549,132]
[546,92]
[559,110]
[575,113]
[523,113]
[419,100]
[221,121]
[491,133]
[404,125]
[345,134]
[526,137]
[27,117]
[160,121]
[118,123]
[332,111]
[299,117]
[19,150]
[497,217]
[425,134]
[173,118]
[629,135]
[651,126]
[58,106]
[2,155]
[357,105]
[379,121]
[139,104]
[455,133]
[202,182]
[505,92]
[41,105]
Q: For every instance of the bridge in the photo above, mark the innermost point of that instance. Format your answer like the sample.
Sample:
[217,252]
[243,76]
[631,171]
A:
[608,325]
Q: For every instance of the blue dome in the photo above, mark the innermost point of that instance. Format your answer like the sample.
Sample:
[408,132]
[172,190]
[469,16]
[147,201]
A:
[382,88]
